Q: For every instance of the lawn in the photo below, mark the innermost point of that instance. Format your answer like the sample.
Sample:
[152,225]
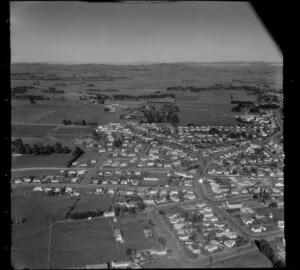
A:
[82,242]
[27,161]
[30,240]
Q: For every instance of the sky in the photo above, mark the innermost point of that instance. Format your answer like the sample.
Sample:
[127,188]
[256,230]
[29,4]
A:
[82,32]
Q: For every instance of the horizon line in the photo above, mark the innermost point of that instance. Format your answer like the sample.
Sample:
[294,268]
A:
[144,62]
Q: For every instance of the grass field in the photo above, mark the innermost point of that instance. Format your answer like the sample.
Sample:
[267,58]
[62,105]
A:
[29,131]
[252,260]
[30,240]
[92,202]
[81,243]
[133,234]
[55,160]
[53,112]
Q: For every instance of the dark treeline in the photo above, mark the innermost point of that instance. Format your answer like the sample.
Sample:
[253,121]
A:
[29,97]
[214,87]
[21,89]
[78,123]
[151,96]
[87,214]
[269,106]
[241,102]
[53,90]
[38,149]
[265,248]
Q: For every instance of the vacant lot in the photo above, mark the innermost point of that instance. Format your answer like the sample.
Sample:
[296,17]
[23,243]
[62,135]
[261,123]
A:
[82,242]
[30,240]
[28,161]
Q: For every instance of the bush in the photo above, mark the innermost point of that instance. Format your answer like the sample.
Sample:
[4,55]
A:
[162,241]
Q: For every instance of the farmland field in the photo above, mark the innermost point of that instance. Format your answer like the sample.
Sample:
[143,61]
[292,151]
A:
[82,242]
[30,131]
[92,202]
[55,160]
[53,112]
[30,240]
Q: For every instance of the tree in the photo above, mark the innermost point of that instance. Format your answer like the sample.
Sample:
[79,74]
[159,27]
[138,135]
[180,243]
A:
[78,151]
[64,122]
[66,150]
[162,241]
[28,149]
[36,149]
[161,212]
[48,149]
[174,119]
[273,204]
[32,100]
[57,148]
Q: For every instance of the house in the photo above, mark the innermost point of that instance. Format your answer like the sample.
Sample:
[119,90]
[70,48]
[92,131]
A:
[258,228]
[73,180]
[69,190]
[211,247]
[118,235]
[97,266]
[38,188]
[184,237]
[109,214]
[18,181]
[148,232]
[233,205]
[229,243]
[231,235]
[281,224]
[122,264]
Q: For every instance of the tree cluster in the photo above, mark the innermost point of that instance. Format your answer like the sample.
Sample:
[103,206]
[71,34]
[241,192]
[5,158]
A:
[87,214]
[162,241]
[166,114]
[38,149]
[78,123]
[151,96]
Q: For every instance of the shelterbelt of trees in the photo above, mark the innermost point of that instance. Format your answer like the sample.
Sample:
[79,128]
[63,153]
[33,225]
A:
[214,87]
[19,147]
[78,123]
